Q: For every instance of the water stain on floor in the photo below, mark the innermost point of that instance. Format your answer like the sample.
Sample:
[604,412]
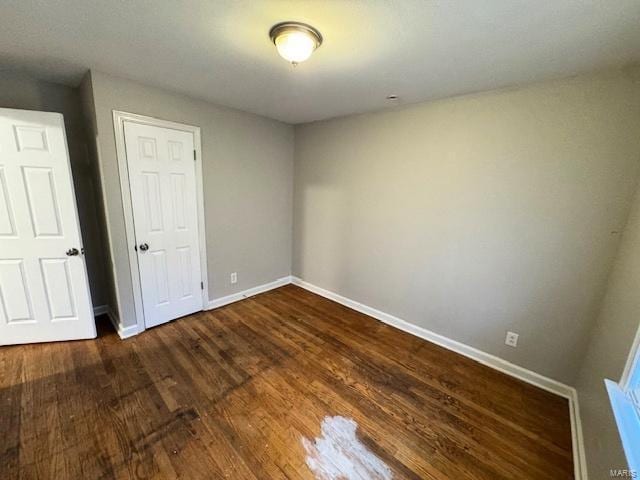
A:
[338,454]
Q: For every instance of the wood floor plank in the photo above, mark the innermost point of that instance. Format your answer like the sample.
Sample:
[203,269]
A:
[11,388]
[232,393]
[389,342]
[465,379]
[474,420]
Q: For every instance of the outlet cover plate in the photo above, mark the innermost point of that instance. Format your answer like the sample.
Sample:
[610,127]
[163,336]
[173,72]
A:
[511,339]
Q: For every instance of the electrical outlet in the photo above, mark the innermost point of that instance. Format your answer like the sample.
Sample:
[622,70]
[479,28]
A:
[234,277]
[512,339]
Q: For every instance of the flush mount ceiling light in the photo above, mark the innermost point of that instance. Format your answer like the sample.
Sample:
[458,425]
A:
[295,41]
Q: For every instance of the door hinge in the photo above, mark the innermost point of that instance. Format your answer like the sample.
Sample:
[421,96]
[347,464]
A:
[201,285]
[194,155]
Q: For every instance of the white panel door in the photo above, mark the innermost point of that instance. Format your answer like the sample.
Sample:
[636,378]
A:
[162,179]
[44,294]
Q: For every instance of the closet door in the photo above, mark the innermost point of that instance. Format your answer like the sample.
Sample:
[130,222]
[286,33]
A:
[162,179]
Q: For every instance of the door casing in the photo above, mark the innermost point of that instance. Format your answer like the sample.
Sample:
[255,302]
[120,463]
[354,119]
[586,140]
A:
[119,117]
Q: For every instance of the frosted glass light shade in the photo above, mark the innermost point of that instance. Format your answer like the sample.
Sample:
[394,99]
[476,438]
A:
[295,42]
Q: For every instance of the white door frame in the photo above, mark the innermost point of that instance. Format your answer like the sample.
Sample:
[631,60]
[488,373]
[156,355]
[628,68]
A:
[118,124]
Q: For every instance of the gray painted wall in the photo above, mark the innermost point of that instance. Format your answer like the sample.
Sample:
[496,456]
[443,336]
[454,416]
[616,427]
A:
[476,215]
[19,91]
[90,123]
[248,182]
[611,342]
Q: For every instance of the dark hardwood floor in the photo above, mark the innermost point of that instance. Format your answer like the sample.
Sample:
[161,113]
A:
[232,392]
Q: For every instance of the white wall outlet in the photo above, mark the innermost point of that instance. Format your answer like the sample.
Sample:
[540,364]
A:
[234,277]
[512,339]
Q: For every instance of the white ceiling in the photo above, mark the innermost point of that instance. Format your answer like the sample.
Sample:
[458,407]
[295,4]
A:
[219,50]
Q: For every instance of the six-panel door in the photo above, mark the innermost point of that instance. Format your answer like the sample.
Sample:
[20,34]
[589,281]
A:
[44,294]
[162,181]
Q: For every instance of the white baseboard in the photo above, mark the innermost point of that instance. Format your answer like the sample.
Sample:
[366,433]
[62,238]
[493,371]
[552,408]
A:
[234,297]
[126,332]
[132,330]
[487,359]
[100,310]
[577,439]
[123,333]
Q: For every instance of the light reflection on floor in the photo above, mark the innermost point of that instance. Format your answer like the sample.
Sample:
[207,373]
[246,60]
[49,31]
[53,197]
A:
[338,454]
